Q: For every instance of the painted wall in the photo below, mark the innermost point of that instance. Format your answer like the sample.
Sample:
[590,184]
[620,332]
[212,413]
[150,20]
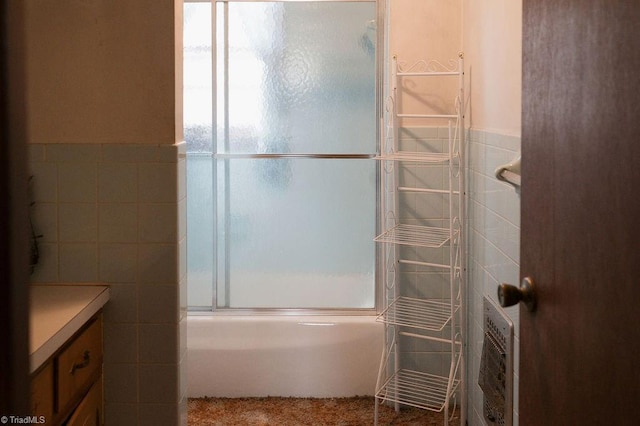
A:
[493,61]
[424,30]
[104,113]
[493,65]
[104,71]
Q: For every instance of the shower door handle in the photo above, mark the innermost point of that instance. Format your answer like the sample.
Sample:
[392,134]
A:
[510,295]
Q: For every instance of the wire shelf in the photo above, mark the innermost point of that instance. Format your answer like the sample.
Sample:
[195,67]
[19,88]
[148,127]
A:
[433,319]
[415,235]
[416,157]
[422,314]
[417,389]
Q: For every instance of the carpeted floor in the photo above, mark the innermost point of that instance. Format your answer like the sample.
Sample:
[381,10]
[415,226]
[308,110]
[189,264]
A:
[357,411]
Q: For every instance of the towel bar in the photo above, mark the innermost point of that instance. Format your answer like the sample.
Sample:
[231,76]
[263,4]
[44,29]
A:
[510,173]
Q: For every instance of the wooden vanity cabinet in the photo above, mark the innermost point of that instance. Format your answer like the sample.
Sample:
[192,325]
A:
[89,411]
[42,395]
[67,389]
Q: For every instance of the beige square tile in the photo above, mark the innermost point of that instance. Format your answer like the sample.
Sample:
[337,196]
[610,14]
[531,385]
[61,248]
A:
[158,264]
[182,179]
[121,153]
[159,343]
[118,262]
[77,153]
[118,182]
[77,182]
[45,221]
[78,222]
[182,218]
[158,304]
[44,184]
[182,338]
[123,304]
[158,182]
[118,223]
[120,343]
[78,262]
[158,223]
[120,383]
[46,270]
[182,259]
[159,384]
[120,414]
[159,414]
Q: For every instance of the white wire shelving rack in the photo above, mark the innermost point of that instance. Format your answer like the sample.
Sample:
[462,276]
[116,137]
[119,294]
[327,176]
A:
[422,318]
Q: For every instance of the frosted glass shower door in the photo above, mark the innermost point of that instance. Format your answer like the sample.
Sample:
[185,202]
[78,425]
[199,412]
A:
[295,185]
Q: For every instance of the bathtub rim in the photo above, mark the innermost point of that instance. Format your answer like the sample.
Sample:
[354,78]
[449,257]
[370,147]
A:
[284,312]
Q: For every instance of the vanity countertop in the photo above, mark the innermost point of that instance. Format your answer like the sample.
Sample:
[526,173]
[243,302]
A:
[56,313]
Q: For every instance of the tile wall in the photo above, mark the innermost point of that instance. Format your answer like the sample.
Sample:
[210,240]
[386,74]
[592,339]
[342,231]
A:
[493,241]
[431,210]
[116,214]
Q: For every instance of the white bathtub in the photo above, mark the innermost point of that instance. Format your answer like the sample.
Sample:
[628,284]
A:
[302,356]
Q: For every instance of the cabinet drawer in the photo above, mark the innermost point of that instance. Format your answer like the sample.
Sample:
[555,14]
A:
[89,411]
[42,393]
[79,364]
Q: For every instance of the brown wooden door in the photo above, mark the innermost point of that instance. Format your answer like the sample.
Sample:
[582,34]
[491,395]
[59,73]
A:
[580,350]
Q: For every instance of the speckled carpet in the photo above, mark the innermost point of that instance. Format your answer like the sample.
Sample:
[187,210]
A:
[356,411]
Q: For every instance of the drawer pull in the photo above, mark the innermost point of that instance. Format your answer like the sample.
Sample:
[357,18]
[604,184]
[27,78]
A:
[86,359]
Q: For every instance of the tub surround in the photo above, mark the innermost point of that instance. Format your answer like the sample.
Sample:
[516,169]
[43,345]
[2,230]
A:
[56,313]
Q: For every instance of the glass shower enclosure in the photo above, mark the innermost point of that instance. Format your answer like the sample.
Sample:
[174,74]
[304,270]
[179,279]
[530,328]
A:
[281,131]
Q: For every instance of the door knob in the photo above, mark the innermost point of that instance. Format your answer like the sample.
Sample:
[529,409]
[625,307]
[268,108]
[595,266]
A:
[510,295]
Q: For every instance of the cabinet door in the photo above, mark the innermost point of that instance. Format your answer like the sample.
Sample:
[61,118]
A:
[89,412]
[42,393]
